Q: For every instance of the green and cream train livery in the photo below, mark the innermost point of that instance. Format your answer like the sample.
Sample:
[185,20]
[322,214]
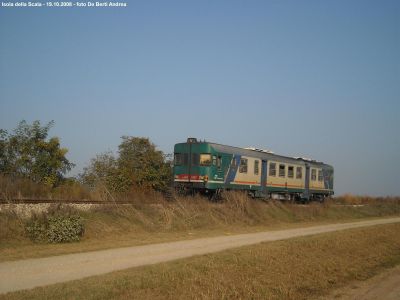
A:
[210,168]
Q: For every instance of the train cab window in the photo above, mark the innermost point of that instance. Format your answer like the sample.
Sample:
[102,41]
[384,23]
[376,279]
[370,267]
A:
[272,169]
[299,172]
[313,174]
[205,159]
[178,159]
[195,159]
[219,162]
[185,159]
[256,167]
[290,172]
[320,176]
[243,165]
[282,170]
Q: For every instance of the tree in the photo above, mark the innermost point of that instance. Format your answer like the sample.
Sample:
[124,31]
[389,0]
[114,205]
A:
[143,163]
[3,149]
[103,170]
[139,164]
[28,153]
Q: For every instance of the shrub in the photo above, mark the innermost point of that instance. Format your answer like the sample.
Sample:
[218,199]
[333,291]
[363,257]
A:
[64,229]
[55,226]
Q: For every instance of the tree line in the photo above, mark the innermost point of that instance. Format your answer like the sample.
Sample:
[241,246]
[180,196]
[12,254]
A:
[29,152]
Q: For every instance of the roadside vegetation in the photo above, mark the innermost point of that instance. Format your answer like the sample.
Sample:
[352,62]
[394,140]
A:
[301,268]
[55,225]
[28,153]
[33,165]
[138,166]
[150,218]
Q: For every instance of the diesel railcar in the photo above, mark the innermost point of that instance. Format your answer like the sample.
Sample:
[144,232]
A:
[210,168]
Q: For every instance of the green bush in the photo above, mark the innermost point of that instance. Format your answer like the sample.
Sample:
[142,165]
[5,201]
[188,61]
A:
[64,229]
[55,228]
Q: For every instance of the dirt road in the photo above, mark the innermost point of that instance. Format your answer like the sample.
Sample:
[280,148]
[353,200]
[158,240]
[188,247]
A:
[385,286]
[29,273]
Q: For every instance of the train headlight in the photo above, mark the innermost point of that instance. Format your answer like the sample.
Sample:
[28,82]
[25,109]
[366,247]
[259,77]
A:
[205,178]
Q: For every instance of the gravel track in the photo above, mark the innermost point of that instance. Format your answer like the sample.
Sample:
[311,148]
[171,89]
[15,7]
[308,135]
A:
[30,273]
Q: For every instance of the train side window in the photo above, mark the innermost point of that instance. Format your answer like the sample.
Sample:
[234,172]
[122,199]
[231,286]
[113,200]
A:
[178,159]
[290,172]
[313,174]
[256,167]
[219,162]
[243,165]
[282,170]
[185,159]
[299,172]
[272,169]
[320,176]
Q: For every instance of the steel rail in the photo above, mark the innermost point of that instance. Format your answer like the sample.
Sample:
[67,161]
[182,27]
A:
[60,201]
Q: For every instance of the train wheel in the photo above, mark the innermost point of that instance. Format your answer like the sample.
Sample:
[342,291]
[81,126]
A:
[216,196]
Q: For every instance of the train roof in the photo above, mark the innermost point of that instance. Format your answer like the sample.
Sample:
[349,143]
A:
[259,153]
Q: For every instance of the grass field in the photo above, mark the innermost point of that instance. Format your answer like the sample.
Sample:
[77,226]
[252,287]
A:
[301,268]
[150,220]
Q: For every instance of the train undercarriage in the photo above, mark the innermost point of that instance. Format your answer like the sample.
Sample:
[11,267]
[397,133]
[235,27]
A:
[194,188]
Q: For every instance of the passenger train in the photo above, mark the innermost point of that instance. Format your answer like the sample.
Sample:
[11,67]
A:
[211,168]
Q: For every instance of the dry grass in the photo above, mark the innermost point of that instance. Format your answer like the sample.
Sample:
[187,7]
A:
[151,219]
[350,199]
[302,268]
[18,188]
[22,188]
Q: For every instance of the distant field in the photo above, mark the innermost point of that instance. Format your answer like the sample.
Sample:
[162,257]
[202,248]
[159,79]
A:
[149,220]
[301,268]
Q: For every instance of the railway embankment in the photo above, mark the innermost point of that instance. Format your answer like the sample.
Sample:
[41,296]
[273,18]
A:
[153,219]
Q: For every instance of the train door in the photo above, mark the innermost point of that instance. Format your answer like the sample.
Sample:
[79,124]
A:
[264,177]
[306,194]
[193,158]
[220,171]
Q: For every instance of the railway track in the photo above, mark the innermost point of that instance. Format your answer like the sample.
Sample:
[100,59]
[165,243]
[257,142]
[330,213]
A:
[168,195]
[60,201]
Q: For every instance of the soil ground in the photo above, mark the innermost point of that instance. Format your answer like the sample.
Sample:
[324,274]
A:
[385,286]
[25,274]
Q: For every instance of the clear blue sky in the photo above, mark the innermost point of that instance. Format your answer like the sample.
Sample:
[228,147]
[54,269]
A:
[303,78]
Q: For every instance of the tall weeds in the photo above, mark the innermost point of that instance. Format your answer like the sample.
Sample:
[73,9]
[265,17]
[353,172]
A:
[148,211]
